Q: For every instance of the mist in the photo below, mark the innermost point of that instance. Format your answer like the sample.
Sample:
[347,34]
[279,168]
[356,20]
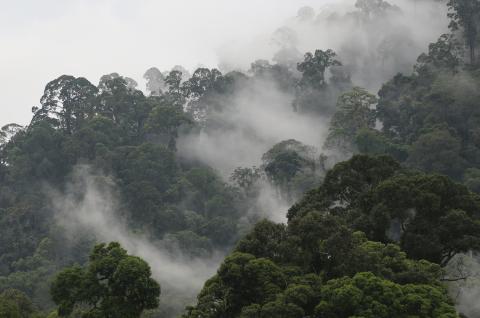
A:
[464,272]
[41,41]
[129,38]
[372,50]
[260,113]
[90,207]
[259,116]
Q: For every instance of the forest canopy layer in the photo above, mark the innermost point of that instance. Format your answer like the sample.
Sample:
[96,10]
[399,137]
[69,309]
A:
[339,181]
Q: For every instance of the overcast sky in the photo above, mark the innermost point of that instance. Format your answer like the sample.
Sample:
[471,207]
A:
[41,40]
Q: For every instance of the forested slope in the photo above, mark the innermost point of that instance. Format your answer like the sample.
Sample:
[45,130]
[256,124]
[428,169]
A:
[180,173]
[372,241]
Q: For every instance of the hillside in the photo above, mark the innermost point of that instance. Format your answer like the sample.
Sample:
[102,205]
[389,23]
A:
[338,181]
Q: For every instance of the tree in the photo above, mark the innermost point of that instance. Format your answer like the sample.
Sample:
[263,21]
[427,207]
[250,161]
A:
[445,54]
[266,240]
[302,270]
[241,280]
[374,142]
[366,295]
[465,14]
[288,164]
[175,94]
[397,108]
[437,217]
[314,66]
[201,81]
[113,284]
[430,216]
[173,80]
[374,8]
[37,152]
[147,172]
[126,106]
[438,151]
[246,179]
[14,303]
[9,309]
[67,101]
[105,83]
[471,178]
[8,131]
[279,73]
[155,81]
[347,183]
[164,121]
[354,113]
[94,139]
[202,90]
[313,94]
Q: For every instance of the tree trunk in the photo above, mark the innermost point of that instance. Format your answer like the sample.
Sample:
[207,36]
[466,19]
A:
[472,54]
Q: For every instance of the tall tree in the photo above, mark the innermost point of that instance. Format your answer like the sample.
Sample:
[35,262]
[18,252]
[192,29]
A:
[114,284]
[354,112]
[67,101]
[314,66]
[445,54]
[374,8]
[126,106]
[465,14]
[155,81]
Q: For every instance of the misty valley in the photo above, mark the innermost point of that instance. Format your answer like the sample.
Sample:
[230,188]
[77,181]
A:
[339,177]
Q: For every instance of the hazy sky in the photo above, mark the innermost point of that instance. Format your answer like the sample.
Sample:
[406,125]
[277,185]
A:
[41,40]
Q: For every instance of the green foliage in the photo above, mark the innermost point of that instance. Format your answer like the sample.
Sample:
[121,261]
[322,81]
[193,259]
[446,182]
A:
[232,293]
[445,54]
[314,94]
[37,153]
[373,142]
[374,199]
[429,119]
[291,167]
[437,151]
[15,304]
[471,178]
[246,178]
[365,295]
[118,131]
[371,226]
[354,113]
[67,101]
[165,120]
[465,14]
[370,242]
[242,279]
[266,240]
[9,309]
[113,284]
[314,66]
[347,181]
[123,104]
[207,92]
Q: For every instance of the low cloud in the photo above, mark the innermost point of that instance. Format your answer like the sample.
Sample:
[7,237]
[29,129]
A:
[90,207]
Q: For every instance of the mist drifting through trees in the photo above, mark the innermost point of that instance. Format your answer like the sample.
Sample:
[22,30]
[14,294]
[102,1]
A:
[326,167]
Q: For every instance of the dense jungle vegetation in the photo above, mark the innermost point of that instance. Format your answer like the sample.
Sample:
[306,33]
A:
[378,213]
